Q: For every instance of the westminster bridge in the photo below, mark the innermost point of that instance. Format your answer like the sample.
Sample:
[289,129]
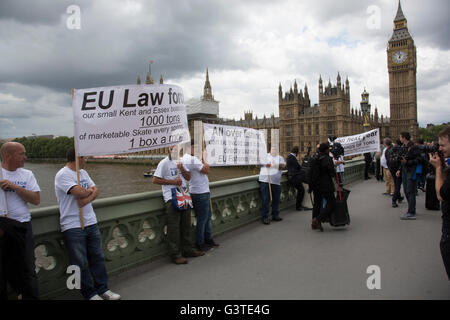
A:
[284,260]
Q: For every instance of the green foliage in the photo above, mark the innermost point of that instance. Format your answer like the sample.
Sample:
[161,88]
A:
[46,147]
[431,134]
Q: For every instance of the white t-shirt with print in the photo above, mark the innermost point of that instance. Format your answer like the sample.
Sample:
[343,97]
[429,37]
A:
[69,218]
[274,170]
[167,169]
[17,207]
[199,182]
[339,167]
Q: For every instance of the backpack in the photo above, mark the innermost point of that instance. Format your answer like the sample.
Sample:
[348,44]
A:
[307,167]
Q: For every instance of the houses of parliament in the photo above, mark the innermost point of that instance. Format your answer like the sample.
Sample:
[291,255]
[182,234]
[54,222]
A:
[304,125]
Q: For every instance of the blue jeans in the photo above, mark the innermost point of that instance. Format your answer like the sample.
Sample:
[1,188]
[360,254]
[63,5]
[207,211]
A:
[203,211]
[409,187]
[85,251]
[265,197]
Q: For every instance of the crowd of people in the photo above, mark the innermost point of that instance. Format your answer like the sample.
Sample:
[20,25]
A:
[185,186]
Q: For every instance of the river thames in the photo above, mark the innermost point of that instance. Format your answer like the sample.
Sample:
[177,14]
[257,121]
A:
[117,179]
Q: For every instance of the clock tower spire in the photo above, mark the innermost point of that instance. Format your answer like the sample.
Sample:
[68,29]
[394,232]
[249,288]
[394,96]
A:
[402,68]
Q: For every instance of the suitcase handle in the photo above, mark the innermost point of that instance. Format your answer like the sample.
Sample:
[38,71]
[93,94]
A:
[339,189]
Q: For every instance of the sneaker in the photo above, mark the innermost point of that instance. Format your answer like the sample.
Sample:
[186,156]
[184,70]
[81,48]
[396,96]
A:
[211,243]
[408,216]
[266,221]
[109,295]
[96,297]
[394,205]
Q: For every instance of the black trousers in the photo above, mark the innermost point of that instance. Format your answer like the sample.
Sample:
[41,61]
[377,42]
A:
[445,250]
[300,195]
[366,170]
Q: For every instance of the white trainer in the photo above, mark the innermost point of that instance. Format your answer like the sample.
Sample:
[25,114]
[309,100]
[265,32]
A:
[109,295]
[96,297]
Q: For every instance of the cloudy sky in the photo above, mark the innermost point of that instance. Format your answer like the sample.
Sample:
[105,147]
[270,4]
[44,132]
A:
[249,46]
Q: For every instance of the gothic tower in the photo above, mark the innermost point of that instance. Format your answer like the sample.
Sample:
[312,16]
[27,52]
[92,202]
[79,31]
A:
[207,91]
[402,67]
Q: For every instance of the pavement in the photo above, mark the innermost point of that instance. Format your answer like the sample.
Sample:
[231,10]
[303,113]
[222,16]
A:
[290,261]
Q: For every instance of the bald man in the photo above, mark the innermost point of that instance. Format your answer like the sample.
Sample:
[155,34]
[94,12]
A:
[21,187]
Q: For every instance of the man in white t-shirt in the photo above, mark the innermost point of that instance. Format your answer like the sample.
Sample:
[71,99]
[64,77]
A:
[170,173]
[339,166]
[84,245]
[271,173]
[200,194]
[20,187]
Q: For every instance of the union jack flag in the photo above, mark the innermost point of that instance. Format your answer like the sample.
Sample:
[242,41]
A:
[183,198]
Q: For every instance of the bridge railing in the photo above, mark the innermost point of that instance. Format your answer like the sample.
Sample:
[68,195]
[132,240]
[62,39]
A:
[134,227]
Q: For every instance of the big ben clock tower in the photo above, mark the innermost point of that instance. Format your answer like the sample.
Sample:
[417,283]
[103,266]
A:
[402,66]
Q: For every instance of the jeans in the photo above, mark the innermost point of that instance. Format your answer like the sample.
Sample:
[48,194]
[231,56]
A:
[319,212]
[397,186]
[409,187]
[85,251]
[202,209]
[265,197]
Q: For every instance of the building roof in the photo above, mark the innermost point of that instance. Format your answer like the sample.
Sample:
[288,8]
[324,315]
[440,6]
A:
[401,34]
[194,106]
[400,16]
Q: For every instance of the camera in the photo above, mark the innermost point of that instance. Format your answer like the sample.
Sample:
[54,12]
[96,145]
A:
[335,147]
[397,153]
[430,149]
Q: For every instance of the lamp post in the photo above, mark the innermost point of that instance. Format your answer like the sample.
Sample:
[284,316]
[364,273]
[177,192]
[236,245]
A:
[365,108]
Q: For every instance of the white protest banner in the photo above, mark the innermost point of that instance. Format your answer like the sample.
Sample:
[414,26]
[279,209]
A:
[131,118]
[361,143]
[234,146]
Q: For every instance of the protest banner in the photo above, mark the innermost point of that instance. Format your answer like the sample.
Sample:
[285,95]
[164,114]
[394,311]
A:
[131,118]
[234,146]
[361,143]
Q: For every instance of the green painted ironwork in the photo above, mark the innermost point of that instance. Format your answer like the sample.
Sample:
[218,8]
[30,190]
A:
[133,227]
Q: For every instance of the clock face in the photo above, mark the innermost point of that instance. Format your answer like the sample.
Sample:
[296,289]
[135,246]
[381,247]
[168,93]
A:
[399,56]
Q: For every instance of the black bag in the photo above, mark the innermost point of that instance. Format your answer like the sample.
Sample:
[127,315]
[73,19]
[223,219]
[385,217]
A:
[339,216]
[431,199]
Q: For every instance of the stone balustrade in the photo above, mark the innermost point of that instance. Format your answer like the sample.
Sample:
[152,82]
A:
[133,227]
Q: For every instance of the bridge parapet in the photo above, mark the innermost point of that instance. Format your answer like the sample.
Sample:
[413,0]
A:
[133,227]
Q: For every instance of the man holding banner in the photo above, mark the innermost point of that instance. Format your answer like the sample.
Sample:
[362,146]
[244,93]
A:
[200,194]
[20,187]
[83,242]
[269,180]
[171,173]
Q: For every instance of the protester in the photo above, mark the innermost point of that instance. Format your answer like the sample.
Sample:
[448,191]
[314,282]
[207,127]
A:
[21,187]
[270,177]
[171,173]
[390,186]
[443,193]
[408,171]
[295,176]
[378,168]
[339,167]
[84,243]
[322,172]
[367,161]
[201,198]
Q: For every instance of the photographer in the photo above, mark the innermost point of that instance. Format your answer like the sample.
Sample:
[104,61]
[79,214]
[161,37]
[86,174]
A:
[443,192]
[393,163]
[409,163]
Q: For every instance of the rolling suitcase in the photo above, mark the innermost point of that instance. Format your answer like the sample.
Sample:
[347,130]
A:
[431,200]
[340,217]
